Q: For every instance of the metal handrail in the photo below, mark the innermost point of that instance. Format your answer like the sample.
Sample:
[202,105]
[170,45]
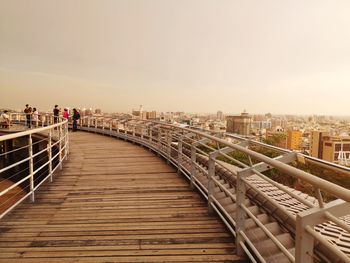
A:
[311,159]
[57,137]
[327,186]
[125,131]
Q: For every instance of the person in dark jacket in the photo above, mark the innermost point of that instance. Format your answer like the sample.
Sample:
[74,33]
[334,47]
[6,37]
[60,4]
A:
[28,112]
[76,117]
[56,112]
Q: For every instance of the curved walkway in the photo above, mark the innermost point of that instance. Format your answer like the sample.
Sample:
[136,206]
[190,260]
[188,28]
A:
[114,202]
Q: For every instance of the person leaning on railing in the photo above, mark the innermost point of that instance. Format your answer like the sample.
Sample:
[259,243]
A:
[28,112]
[35,117]
[76,117]
[56,112]
[5,120]
[65,114]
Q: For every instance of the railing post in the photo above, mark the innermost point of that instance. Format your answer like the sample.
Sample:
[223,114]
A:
[305,222]
[193,164]
[240,213]
[95,123]
[168,143]
[88,123]
[304,242]
[60,146]
[159,139]
[31,169]
[49,146]
[133,133]
[117,124]
[103,124]
[179,155]
[211,185]
[67,140]
[111,125]
[151,135]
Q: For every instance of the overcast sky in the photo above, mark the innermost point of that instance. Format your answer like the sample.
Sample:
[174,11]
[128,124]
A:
[181,55]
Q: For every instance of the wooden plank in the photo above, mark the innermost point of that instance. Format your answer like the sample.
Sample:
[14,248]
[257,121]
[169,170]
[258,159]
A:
[185,258]
[114,202]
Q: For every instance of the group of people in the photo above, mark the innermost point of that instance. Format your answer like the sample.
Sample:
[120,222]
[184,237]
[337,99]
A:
[32,116]
[65,115]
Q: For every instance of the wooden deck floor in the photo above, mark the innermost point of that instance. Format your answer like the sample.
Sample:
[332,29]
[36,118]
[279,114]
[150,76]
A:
[114,202]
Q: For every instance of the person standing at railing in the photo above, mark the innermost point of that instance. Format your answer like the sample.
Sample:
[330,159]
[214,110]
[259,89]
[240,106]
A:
[5,120]
[65,114]
[28,112]
[76,117]
[35,117]
[56,112]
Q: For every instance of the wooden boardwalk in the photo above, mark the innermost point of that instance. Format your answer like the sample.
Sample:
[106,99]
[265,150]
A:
[114,202]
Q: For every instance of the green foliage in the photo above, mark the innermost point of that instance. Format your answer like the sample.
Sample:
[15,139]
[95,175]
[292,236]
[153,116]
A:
[327,174]
[275,139]
[239,156]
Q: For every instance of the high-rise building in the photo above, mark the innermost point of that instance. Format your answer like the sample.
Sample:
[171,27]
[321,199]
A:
[331,148]
[139,114]
[240,124]
[259,125]
[294,139]
[220,116]
[151,115]
[336,149]
[316,143]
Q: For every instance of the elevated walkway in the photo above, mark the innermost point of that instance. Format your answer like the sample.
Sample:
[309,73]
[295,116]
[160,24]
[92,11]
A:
[114,202]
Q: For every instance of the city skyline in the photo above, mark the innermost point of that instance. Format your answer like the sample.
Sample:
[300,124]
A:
[192,56]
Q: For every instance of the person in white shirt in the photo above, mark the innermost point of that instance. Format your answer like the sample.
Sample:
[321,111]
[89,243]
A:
[35,117]
[5,120]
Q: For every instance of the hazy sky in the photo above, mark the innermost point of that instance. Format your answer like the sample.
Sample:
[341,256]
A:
[182,55]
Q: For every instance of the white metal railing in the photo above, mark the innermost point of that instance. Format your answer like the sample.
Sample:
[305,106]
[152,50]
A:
[26,167]
[196,154]
[30,121]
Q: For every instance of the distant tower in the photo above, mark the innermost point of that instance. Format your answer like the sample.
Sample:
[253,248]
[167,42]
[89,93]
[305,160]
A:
[141,110]
[240,124]
[220,115]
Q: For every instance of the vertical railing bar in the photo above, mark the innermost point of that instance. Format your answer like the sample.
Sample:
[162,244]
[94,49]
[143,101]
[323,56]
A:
[319,197]
[50,154]
[240,213]
[168,143]
[151,134]
[31,168]
[60,146]
[193,165]
[179,155]
[67,138]
[211,185]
